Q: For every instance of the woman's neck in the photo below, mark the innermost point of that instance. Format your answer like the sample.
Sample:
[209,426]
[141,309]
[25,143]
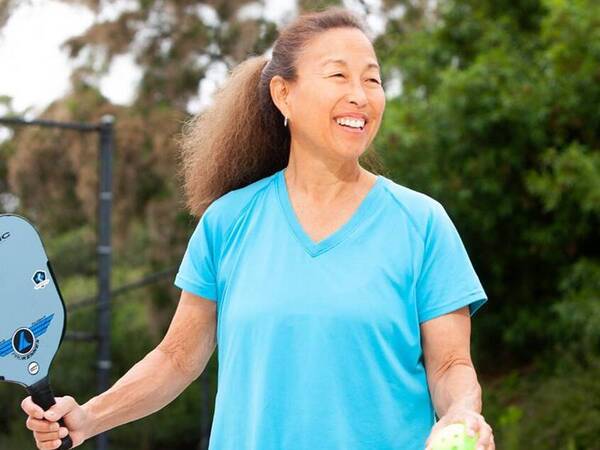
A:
[326,181]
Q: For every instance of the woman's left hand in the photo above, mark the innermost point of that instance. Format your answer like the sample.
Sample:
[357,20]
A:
[473,422]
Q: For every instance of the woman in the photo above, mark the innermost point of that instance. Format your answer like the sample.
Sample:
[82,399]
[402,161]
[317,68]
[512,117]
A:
[343,299]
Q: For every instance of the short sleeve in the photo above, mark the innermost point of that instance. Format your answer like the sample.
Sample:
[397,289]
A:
[197,272]
[447,280]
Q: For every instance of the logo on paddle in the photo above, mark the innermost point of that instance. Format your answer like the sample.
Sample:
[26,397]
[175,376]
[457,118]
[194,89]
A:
[4,236]
[25,341]
[40,279]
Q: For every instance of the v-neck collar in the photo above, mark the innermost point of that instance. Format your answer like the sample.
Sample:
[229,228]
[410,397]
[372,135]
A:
[316,248]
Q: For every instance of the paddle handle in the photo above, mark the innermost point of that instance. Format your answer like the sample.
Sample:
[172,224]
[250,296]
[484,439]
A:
[41,394]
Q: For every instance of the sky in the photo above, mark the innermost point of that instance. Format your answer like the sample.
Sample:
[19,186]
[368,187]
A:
[35,69]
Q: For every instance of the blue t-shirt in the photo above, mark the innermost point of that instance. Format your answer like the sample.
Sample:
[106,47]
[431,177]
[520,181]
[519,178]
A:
[319,344]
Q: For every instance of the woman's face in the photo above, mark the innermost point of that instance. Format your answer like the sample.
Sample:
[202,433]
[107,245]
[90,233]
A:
[337,101]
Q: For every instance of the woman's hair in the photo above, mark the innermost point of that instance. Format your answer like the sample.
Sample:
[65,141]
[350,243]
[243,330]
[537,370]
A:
[241,137]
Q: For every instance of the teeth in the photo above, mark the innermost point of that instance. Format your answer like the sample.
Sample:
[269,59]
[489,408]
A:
[350,122]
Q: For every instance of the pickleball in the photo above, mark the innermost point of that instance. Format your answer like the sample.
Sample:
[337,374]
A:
[453,437]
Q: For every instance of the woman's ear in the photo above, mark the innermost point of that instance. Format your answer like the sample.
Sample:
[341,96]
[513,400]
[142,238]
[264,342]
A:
[279,93]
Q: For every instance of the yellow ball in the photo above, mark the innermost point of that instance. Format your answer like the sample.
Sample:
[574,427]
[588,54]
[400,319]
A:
[453,437]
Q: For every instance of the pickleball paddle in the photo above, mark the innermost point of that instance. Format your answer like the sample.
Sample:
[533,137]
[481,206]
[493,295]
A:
[32,312]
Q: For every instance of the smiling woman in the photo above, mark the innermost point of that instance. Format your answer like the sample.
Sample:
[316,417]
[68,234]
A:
[340,300]
[325,276]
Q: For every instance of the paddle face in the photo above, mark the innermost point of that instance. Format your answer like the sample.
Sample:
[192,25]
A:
[32,312]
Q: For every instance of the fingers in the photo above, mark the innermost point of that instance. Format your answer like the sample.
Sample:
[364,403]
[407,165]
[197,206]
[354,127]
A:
[486,437]
[476,424]
[472,425]
[42,426]
[31,409]
[50,439]
[63,406]
[51,445]
[47,434]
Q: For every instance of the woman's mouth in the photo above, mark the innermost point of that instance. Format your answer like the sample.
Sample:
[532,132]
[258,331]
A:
[351,124]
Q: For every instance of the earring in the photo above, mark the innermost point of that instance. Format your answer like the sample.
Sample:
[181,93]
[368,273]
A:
[285,121]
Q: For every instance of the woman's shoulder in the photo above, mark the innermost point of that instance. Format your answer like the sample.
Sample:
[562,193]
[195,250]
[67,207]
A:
[419,207]
[228,207]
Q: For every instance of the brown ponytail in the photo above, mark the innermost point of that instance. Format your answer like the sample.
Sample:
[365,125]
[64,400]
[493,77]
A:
[241,138]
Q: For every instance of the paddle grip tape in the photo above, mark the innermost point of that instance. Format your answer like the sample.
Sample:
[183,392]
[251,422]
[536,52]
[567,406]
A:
[41,394]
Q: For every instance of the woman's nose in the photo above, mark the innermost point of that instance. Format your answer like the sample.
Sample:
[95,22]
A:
[357,94]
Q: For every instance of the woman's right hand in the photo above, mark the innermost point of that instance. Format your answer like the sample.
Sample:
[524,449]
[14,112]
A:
[44,424]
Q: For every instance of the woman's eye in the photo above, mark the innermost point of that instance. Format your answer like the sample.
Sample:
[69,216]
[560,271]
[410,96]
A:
[342,75]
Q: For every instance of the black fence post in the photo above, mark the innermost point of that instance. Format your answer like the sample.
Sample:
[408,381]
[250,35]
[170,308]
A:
[104,251]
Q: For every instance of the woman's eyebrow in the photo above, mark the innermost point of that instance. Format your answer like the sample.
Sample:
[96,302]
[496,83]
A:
[344,63]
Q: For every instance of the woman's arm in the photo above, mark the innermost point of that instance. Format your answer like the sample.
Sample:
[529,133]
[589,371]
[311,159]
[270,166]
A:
[165,372]
[148,386]
[455,391]
[447,355]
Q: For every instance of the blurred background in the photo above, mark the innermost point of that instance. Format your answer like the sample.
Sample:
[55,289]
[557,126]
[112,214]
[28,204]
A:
[492,108]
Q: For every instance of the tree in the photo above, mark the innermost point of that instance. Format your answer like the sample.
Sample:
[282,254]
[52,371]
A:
[498,120]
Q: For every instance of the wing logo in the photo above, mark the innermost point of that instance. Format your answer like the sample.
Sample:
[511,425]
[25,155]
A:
[25,341]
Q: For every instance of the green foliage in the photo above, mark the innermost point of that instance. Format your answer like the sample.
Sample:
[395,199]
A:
[73,252]
[534,412]
[498,120]
[569,179]
[578,312]
[491,123]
